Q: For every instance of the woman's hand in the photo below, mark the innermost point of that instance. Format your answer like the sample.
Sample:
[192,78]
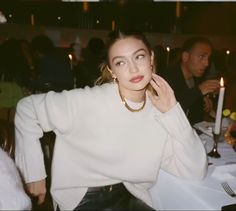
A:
[165,98]
[37,189]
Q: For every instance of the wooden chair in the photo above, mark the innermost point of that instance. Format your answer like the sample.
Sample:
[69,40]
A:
[7,113]
[7,137]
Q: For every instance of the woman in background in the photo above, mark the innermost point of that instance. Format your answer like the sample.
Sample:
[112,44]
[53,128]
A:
[12,194]
[112,139]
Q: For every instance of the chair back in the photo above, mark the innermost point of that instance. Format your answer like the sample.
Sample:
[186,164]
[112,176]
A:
[7,113]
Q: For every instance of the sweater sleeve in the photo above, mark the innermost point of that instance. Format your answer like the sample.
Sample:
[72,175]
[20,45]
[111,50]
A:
[184,153]
[34,115]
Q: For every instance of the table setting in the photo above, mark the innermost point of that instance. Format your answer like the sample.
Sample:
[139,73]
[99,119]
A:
[172,193]
[217,191]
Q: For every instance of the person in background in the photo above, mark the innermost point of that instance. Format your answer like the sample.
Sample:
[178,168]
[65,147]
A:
[53,70]
[12,193]
[14,78]
[111,139]
[88,69]
[187,81]
[160,58]
[14,65]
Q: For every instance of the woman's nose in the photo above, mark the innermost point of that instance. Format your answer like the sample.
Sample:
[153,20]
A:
[133,67]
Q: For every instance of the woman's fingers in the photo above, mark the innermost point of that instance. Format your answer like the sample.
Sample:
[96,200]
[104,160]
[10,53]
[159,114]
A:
[152,97]
[37,189]
[41,198]
[160,85]
[165,99]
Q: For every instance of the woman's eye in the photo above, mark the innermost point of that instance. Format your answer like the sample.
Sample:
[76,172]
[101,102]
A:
[119,63]
[140,56]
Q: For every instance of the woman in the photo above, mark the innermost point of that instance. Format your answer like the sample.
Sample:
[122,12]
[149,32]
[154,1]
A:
[111,139]
[12,194]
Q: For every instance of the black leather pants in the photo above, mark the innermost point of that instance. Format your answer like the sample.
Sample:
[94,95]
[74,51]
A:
[109,198]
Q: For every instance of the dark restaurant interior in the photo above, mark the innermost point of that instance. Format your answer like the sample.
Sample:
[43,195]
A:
[205,17]
[75,33]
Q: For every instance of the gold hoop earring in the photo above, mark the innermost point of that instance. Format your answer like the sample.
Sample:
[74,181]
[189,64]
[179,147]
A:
[151,67]
[114,79]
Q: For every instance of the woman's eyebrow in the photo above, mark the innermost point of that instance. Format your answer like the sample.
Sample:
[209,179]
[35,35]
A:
[120,57]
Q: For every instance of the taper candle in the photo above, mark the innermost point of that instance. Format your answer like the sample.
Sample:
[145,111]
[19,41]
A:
[219,107]
[71,61]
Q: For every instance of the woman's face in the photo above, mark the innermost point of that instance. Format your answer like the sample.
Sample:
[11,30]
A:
[131,63]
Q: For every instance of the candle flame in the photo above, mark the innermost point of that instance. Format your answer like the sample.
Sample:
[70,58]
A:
[221,82]
[70,56]
[168,48]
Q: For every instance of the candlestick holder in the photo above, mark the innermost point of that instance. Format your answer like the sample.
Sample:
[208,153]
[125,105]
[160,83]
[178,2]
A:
[214,153]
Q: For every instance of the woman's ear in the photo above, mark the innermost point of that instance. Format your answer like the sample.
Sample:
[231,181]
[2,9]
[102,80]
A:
[152,58]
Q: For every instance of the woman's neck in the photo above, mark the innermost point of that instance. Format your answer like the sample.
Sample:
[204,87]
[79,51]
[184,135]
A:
[133,95]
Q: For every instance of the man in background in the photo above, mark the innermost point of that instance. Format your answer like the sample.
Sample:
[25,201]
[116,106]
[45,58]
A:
[186,79]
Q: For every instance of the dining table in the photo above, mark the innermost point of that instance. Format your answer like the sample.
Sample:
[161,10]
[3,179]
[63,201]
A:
[174,193]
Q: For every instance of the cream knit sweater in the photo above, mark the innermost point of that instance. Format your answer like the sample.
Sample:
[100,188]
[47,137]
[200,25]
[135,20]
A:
[99,142]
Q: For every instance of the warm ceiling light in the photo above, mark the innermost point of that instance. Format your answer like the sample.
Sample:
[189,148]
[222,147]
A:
[85,6]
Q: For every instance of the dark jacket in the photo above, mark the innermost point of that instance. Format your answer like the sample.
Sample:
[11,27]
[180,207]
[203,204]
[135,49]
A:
[191,99]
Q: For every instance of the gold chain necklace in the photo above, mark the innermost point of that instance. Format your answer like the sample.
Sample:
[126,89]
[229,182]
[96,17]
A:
[128,107]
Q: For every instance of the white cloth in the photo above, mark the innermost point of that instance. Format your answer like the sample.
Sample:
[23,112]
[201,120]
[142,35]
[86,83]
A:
[12,195]
[99,142]
[224,172]
[172,193]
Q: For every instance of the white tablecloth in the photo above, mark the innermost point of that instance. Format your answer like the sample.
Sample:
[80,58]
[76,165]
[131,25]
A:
[172,193]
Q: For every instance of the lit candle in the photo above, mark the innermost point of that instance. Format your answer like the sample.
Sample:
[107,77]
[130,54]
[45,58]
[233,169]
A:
[71,62]
[219,107]
[168,55]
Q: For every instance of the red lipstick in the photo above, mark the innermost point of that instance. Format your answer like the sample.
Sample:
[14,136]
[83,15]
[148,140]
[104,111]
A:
[136,79]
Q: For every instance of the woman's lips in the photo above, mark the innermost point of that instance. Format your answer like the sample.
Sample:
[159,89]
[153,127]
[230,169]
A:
[136,79]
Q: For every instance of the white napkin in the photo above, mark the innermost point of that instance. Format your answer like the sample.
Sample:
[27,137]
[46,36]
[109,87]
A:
[224,172]
[205,127]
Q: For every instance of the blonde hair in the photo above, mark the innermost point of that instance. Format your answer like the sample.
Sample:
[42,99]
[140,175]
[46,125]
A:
[106,76]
